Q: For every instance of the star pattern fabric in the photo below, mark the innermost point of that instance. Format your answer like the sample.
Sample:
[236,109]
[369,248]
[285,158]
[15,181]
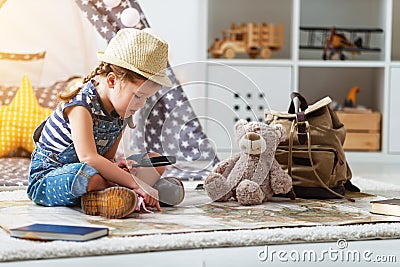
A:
[20,118]
[172,128]
[167,124]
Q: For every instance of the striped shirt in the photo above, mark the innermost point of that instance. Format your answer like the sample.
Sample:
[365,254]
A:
[56,133]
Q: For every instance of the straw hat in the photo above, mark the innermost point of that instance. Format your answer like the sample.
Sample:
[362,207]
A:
[138,51]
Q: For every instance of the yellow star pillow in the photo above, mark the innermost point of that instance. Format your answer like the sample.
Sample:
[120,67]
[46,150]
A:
[20,118]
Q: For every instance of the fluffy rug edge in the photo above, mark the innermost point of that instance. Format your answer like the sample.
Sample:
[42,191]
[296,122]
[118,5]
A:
[18,249]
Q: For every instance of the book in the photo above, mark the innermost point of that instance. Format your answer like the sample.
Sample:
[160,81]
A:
[58,232]
[386,207]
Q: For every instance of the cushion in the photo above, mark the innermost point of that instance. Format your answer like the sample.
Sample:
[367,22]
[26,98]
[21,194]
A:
[20,118]
[46,97]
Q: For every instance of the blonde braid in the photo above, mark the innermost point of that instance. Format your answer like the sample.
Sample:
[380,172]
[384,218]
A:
[102,68]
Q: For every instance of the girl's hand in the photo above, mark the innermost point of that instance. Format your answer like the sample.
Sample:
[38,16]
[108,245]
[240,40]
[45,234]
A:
[126,165]
[149,194]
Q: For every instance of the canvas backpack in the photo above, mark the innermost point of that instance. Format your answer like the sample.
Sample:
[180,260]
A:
[313,153]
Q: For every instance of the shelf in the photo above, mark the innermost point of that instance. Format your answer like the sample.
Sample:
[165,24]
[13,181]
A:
[252,62]
[340,64]
[301,63]
[303,70]
[344,14]
[396,30]
[222,13]
[394,111]
[243,92]
[336,82]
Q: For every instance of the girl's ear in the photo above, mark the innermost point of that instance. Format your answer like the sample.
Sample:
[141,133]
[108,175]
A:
[111,79]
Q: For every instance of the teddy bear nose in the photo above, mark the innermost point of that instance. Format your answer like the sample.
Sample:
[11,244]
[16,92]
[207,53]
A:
[252,136]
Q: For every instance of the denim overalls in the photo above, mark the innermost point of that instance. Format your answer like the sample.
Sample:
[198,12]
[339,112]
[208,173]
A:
[59,179]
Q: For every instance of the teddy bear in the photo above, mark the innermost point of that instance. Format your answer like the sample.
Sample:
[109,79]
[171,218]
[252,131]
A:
[252,175]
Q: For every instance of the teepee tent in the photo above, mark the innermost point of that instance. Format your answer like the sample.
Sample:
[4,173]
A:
[55,27]
[70,32]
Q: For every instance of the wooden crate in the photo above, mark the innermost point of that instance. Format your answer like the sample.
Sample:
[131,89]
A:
[363,130]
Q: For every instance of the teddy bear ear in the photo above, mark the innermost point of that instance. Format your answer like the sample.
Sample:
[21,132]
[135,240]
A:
[240,123]
[240,131]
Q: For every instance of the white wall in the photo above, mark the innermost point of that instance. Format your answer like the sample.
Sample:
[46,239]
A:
[181,23]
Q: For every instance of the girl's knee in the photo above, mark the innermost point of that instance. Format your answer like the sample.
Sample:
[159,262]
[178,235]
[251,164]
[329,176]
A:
[160,169]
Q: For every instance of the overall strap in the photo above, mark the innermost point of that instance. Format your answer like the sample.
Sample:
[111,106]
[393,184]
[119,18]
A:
[38,131]
[89,91]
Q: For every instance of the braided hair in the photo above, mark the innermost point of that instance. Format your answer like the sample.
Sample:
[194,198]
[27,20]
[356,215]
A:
[102,70]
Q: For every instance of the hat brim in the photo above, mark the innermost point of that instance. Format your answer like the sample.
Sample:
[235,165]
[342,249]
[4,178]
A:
[159,78]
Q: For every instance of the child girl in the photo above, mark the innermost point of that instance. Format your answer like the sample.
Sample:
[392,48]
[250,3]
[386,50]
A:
[75,146]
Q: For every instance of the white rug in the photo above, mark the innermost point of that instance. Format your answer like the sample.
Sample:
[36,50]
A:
[15,249]
[376,187]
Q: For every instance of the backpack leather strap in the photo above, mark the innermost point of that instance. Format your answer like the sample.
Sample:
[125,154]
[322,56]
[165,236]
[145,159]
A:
[300,116]
[316,174]
[301,127]
[290,158]
[303,102]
